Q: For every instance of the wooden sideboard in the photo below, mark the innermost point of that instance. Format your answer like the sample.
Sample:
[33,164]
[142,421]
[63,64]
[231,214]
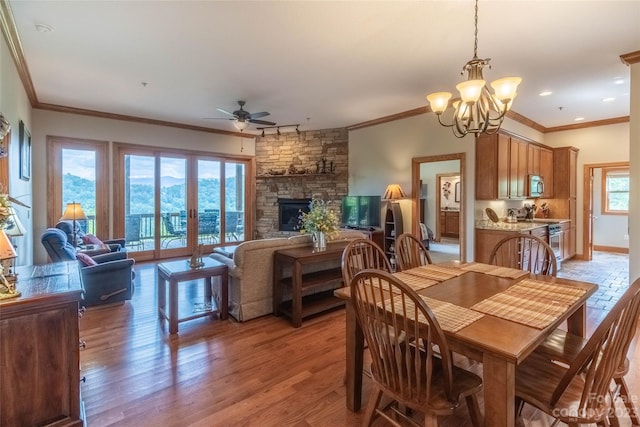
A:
[39,350]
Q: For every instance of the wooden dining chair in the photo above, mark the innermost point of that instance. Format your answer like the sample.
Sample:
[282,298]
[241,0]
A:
[577,391]
[407,372]
[411,252]
[525,252]
[361,254]
[564,347]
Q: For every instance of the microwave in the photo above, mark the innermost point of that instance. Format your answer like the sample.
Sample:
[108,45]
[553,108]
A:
[536,186]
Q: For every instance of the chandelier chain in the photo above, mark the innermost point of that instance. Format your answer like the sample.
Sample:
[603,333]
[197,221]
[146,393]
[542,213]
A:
[475,43]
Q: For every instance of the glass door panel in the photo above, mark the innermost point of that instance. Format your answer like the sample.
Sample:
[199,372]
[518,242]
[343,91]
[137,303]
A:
[79,185]
[208,207]
[173,203]
[234,202]
[139,202]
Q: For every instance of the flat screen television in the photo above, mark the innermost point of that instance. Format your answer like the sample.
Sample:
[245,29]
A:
[361,211]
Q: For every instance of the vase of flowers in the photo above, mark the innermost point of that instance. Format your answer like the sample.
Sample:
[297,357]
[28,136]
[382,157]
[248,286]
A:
[321,222]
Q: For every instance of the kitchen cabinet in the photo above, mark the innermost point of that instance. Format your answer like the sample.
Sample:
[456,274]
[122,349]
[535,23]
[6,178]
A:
[450,223]
[565,161]
[533,159]
[517,168]
[546,171]
[501,167]
[487,239]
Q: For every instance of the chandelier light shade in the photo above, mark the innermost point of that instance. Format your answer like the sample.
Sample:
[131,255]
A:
[394,192]
[478,110]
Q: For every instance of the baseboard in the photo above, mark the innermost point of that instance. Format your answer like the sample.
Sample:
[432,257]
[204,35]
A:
[611,249]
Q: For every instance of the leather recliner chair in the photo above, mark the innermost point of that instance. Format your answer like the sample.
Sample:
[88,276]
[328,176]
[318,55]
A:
[109,280]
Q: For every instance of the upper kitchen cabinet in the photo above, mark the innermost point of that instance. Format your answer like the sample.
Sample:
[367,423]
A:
[540,163]
[501,167]
[546,171]
[565,162]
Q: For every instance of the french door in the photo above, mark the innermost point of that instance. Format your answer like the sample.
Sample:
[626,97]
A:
[168,202]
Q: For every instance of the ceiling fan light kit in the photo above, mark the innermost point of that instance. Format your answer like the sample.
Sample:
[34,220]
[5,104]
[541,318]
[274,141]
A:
[478,111]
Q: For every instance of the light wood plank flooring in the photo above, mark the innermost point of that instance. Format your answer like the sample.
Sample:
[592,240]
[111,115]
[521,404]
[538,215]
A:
[224,373]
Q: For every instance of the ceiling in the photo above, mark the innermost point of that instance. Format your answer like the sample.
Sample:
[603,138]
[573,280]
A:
[323,64]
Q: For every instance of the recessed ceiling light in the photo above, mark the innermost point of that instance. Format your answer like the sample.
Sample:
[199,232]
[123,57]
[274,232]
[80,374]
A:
[618,81]
[579,119]
[545,93]
[43,28]
[609,99]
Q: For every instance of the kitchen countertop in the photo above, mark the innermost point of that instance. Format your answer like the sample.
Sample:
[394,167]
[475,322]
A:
[517,226]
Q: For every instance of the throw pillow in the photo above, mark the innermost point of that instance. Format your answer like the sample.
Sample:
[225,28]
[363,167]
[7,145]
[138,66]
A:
[85,259]
[90,239]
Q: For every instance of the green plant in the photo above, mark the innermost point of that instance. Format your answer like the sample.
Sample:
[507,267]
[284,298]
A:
[319,218]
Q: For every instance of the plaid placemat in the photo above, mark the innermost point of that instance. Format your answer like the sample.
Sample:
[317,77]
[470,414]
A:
[415,282]
[531,302]
[494,270]
[435,272]
[554,293]
[451,317]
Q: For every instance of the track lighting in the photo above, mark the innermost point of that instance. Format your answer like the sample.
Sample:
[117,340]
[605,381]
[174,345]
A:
[277,128]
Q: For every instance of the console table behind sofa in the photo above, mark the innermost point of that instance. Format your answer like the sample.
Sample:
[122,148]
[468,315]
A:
[251,272]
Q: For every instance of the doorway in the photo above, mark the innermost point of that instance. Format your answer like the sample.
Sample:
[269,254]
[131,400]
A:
[593,215]
[429,176]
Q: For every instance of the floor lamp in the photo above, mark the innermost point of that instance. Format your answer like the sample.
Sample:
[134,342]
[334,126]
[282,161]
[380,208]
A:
[73,212]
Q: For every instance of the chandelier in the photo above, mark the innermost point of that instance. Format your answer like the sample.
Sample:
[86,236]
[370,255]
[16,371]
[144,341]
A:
[478,111]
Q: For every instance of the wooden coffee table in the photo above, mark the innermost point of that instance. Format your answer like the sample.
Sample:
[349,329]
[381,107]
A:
[178,271]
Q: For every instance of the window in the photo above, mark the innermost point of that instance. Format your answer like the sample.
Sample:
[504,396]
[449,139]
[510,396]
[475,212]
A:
[615,191]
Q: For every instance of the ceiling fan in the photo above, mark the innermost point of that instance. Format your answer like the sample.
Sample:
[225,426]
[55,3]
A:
[242,117]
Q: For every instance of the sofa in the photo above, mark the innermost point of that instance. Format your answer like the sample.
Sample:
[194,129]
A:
[251,272]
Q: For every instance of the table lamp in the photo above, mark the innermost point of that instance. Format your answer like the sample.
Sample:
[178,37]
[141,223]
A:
[12,228]
[73,212]
[7,289]
[394,192]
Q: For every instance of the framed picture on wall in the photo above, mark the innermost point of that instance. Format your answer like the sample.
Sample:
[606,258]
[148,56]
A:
[457,192]
[25,152]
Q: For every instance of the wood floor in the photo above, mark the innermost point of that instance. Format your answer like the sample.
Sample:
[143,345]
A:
[223,373]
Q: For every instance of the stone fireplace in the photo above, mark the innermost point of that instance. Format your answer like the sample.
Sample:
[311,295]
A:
[312,164]
[289,213]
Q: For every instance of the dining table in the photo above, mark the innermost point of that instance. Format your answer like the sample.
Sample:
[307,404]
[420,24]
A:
[494,315]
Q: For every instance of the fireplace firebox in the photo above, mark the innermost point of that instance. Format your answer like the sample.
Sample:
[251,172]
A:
[289,213]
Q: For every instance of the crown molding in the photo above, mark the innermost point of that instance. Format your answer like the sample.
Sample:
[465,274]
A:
[631,58]
[585,125]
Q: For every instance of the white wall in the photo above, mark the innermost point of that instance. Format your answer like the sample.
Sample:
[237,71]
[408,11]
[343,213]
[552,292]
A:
[15,106]
[634,158]
[49,123]
[602,144]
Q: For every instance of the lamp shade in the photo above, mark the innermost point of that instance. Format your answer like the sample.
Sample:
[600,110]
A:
[6,248]
[394,192]
[13,227]
[73,212]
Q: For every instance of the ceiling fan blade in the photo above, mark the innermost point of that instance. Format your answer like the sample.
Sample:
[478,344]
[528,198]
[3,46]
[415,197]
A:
[262,122]
[222,110]
[258,115]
